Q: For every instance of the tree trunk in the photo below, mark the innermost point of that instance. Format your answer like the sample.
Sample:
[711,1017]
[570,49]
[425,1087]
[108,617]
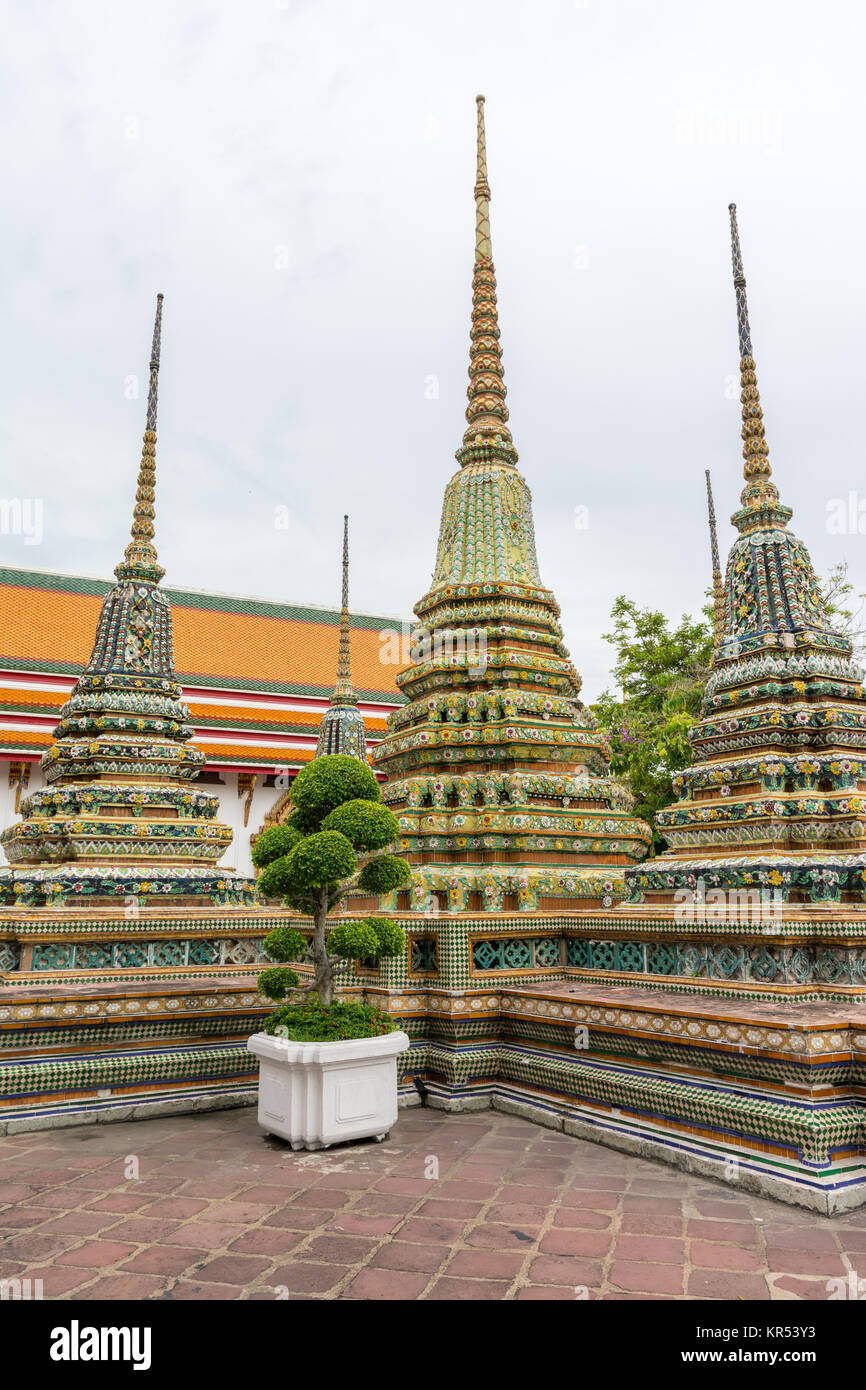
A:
[324,970]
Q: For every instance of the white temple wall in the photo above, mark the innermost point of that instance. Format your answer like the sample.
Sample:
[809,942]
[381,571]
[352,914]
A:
[231,813]
[8,815]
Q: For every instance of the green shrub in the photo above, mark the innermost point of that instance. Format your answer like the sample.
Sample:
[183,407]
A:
[324,857]
[273,844]
[384,874]
[285,943]
[390,937]
[367,825]
[303,821]
[353,941]
[276,983]
[311,1021]
[274,881]
[310,861]
[329,781]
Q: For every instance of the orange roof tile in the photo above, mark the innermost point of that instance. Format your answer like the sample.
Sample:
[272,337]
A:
[48,622]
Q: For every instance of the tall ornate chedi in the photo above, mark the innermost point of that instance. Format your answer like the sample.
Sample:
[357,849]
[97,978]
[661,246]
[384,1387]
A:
[496,770]
[775,801]
[119,816]
[342,727]
[128,954]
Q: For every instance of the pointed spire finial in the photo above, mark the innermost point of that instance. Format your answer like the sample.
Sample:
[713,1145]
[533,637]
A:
[760,496]
[483,246]
[139,559]
[344,691]
[718,586]
[487,438]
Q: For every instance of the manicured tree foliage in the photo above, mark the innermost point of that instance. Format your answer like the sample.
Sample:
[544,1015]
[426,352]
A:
[273,844]
[661,671]
[329,845]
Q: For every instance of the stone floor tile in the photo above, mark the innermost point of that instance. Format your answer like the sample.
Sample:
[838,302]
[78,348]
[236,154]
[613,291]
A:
[708,1255]
[306,1276]
[815,1290]
[711,1283]
[650,1249]
[28,1218]
[803,1262]
[169,1260]
[210,1235]
[189,1291]
[560,1241]
[486,1264]
[399,1254]
[580,1218]
[537,1292]
[560,1269]
[472,1290]
[233,1269]
[440,1207]
[734,1232]
[267,1240]
[492,1236]
[432,1232]
[352,1223]
[121,1286]
[388,1284]
[634,1277]
[343,1250]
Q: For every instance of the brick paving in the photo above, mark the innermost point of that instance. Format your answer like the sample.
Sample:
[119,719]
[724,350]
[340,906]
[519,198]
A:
[480,1206]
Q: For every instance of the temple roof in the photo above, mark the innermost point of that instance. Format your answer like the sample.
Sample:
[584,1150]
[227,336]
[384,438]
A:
[256,673]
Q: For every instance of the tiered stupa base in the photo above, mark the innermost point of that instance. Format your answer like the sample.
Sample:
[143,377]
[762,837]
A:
[107,1017]
[726,1049]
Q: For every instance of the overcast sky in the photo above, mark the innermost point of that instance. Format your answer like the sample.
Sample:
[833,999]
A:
[297,179]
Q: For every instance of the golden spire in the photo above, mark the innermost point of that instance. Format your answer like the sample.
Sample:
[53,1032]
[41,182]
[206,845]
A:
[718,586]
[483,247]
[759,495]
[139,559]
[487,437]
[344,691]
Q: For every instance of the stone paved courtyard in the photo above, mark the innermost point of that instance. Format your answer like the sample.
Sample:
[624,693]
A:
[218,1211]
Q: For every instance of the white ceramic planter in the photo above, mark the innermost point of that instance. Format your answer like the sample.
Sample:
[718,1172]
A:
[320,1093]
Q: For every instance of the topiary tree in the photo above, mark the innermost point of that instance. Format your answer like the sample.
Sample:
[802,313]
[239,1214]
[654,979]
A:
[330,844]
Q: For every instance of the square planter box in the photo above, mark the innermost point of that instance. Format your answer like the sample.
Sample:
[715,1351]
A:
[320,1093]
